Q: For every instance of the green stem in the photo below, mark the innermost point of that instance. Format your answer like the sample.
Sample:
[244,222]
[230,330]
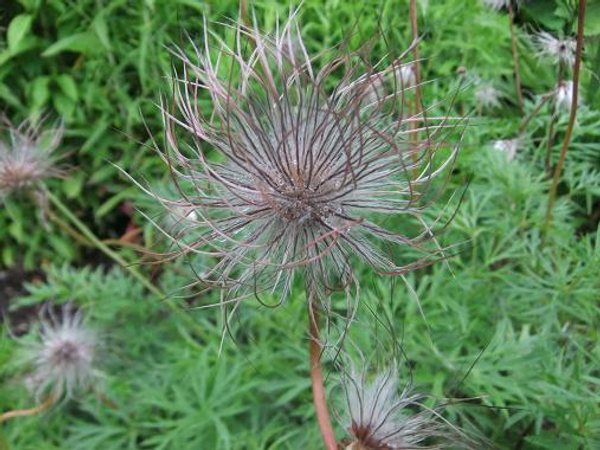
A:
[565,145]
[515,56]
[91,237]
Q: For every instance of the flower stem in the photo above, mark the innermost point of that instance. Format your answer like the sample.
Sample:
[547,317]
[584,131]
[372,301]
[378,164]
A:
[96,242]
[573,115]
[553,112]
[29,412]
[417,65]
[515,55]
[316,375]
[533,113]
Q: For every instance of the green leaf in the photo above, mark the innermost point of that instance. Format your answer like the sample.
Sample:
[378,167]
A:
[67,86]
[72,186]
[592,19]
[113,201]
[17,30]
[64,105]
[39,93]
[86,43]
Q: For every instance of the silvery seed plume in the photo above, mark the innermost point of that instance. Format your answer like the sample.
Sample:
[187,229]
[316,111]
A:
[507,146]
[305,174]
[487,96]
[62,359]
[26,157]
[496,5]
[380,417]
[564,95]
[558,50]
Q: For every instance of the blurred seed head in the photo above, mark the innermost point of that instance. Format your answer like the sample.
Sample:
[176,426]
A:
[497,5]
[26,157]
[63,357]
[558,50]
[305,174]
[487,96]
[379,416]
[564,95]
[509,147]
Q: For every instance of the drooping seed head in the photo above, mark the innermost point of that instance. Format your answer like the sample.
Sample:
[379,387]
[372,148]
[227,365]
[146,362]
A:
[62,359]
[26,157]
[305,173]
[556,49]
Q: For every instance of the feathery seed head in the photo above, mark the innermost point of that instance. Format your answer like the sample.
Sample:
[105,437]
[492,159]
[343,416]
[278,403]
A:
[564,95]
[381,418]
[26,159]
[496,5]
[507,146]
[487,96]
[63,357]
[304,169]
[558,50]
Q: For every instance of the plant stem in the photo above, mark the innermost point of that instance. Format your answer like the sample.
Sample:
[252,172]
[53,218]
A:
[29,412]
[573,115]
[91,237]
[413,12]
[533,113]
[559,79]
[515,55]
[416,66]
[316,375]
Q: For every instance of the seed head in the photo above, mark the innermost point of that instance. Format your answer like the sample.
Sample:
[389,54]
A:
[26,159]
[507,146]
[564,95]
[304,174]
[487,96]
[496,5]
[379,417]
[558,50]
[63,357]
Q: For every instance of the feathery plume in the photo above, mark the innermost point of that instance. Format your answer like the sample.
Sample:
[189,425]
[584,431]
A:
[507,146]
[558,50]
[496,5]
[26,159]
[62,359]
[564,95]
[305,174]
[487,96]
[380,417]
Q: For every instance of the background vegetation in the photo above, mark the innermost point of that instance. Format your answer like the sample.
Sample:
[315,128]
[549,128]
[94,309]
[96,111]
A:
[510,320]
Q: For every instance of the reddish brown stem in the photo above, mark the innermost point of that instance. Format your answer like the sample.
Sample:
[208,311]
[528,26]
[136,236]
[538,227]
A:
[515,56]
[29,412]
[316,375]
[550,142]
[416,64]
[573,115]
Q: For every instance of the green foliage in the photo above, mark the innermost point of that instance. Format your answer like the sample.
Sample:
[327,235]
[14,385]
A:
[510,320]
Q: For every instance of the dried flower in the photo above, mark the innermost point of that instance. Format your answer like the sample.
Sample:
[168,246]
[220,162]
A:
[559,50]
[306,173]
[63,357]
[564,95]
[379,417]
[487,96]
[496,5]
[507,146]
[27,158]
